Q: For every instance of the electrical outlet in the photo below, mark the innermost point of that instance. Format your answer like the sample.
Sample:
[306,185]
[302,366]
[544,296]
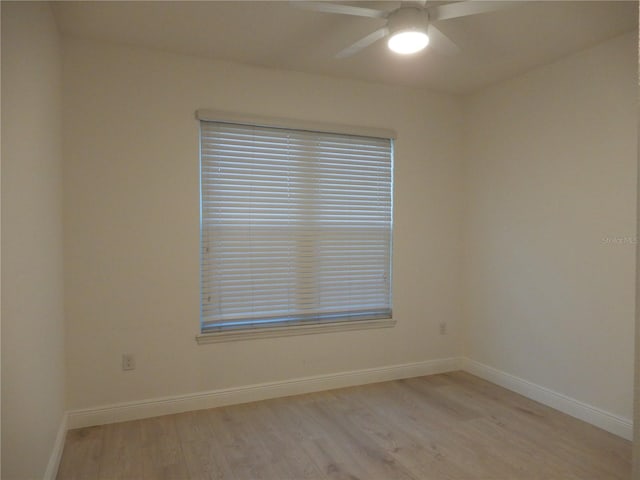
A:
[128,361]
[443,328]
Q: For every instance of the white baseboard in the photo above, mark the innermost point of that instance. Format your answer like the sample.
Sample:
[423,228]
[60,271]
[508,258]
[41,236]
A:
[610,422]
[56,452]
[216,398]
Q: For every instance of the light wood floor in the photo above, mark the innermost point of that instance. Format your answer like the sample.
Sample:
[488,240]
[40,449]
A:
[452,426]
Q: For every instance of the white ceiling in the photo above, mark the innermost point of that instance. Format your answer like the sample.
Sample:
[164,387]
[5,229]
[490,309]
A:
[274,34]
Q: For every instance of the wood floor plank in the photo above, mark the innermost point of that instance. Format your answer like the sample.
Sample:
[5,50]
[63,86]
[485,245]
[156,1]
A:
[203,453]
[415,448]
[161,451]
[245,454]
[284,452]
[122,449]
[377,462]
[82,454]
[326,447]
[451,426]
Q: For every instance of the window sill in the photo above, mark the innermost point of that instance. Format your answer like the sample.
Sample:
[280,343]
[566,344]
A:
[286,331]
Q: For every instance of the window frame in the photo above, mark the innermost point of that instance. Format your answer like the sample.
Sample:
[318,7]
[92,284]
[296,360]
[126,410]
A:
[242,332]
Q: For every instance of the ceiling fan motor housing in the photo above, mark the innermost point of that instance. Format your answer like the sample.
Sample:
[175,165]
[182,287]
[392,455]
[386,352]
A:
[408,19]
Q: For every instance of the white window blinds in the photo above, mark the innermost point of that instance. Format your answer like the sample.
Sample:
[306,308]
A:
[295,226]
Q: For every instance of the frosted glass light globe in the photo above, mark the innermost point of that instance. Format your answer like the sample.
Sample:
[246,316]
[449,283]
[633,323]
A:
[408,42]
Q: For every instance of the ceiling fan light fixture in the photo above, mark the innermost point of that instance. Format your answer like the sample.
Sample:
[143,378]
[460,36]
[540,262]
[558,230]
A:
[408,28]
[408,41]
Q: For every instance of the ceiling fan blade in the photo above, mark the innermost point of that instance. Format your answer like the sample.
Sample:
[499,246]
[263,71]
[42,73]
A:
[440,42]
[363,43]
[468,7]
[330,7]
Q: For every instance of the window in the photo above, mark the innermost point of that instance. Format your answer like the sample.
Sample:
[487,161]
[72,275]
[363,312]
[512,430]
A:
[296,227]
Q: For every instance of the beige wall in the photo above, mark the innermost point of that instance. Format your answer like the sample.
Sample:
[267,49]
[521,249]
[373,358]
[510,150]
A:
[132,222]
[32,293]
[550,254]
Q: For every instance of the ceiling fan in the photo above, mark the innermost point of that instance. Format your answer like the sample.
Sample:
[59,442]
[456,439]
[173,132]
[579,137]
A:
[410,27]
